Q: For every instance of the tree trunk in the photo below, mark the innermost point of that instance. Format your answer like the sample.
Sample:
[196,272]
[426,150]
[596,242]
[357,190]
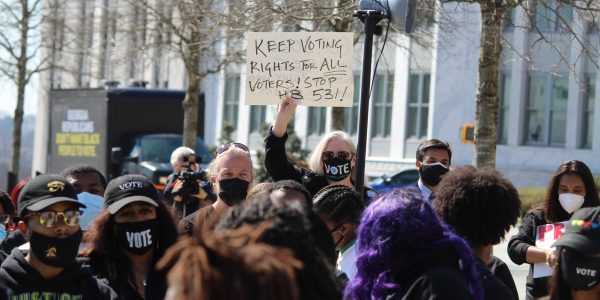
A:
[21,83]
[190,109]
[486,116]
[338,118]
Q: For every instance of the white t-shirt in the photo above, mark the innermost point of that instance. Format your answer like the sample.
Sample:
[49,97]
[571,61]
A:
[346,261]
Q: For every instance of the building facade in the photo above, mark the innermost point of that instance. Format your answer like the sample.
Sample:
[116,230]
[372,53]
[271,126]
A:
[424,89]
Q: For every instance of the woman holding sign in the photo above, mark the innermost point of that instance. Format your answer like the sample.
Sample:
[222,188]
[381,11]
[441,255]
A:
[331,162]
[572,187]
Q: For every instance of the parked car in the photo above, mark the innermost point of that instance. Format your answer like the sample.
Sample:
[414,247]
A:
[398,179]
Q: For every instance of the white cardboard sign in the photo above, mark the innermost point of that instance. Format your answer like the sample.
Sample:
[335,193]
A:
[545,236]
[314,68]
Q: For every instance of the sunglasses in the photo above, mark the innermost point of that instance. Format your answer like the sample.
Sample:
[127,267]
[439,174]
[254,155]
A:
[341,154]
[226,147]
[4,219]
[49,219]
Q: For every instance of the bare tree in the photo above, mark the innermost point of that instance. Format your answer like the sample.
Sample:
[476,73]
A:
[493,14]
[20,22]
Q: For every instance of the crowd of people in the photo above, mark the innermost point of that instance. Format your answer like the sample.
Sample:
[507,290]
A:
[306,235]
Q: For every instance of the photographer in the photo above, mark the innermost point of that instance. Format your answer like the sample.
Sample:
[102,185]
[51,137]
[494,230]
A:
[187,190]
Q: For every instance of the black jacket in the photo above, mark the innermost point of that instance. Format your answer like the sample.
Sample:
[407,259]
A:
[280,168]
[501,270]
[517,251]
[19,280]
[432,275]
[156,283]
[493,287]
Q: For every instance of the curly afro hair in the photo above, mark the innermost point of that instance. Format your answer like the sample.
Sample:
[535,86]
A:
[479,205]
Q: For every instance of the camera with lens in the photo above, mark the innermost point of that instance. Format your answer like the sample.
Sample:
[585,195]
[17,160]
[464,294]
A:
[191,180]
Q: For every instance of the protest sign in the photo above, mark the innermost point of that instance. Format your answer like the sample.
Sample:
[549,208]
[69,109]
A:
[314,68]
[545,236]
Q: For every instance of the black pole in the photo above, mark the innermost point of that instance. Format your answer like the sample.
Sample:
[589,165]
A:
[370,18]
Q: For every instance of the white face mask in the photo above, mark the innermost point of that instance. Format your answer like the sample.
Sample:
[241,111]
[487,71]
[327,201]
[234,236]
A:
[570,202]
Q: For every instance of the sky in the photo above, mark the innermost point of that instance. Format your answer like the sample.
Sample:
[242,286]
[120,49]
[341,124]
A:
[8,96]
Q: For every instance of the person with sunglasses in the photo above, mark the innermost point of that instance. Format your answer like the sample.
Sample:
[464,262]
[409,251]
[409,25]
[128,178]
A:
[332,160]
[129,237]
[231,175]
[49,217]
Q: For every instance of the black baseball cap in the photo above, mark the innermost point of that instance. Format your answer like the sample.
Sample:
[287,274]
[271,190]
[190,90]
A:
[128,189]
[45,190]
[582,232]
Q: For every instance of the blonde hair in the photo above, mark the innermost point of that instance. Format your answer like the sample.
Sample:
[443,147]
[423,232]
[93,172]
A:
[215,165]
[315,163]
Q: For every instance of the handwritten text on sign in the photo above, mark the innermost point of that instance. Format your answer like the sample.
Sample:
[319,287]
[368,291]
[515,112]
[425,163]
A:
[545,236]
[314,68]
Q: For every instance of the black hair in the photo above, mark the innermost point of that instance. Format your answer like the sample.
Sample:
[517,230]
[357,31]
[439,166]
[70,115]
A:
[480,205]
[293,185]
[339,203]
[7,204]
[433,144]
[80,169]
[553,211]
[290,229]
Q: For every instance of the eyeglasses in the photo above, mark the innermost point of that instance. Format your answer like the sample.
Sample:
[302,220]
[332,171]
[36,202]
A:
[226,147]
[341,154]
[49,219]
[4,218]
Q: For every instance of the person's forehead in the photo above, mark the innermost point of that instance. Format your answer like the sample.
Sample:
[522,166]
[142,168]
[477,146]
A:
[570,179]
[79,178]
[439,154]
[60,206]
[337,144]
[236,162]
[135,205]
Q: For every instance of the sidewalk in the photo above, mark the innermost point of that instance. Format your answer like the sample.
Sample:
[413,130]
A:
[519,273]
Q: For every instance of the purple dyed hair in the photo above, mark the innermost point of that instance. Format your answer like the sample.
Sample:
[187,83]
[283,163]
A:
[400,224]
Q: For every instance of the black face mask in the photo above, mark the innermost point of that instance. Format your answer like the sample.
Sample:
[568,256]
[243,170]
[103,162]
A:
[137,237]
[233,191]
[337,168]
[54,251]
[581,272]
[432,174]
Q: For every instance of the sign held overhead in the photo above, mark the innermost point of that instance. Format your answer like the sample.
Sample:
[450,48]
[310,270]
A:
[314,68]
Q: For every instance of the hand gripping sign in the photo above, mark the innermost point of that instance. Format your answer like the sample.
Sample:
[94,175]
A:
[545,236]
[314,68]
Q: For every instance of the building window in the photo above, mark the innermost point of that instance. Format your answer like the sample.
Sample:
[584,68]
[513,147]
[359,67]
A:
[383,97]
[546,110]
[231,100]
[588,113]
[316,120]
[257,117]
[418,105]
[552,15]
[502,133]
[351,113]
